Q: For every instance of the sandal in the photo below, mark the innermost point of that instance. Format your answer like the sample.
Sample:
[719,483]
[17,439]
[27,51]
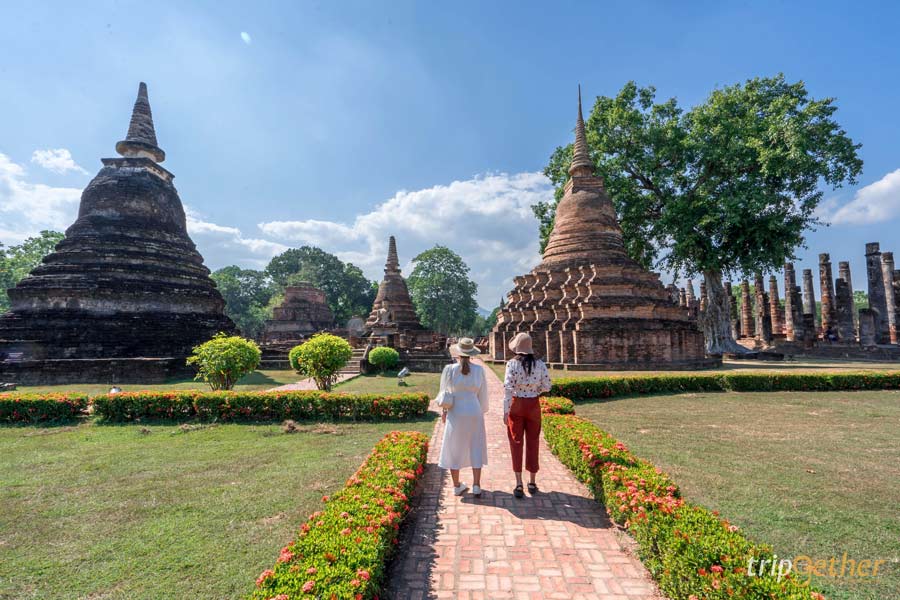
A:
[518,493]
[532,488]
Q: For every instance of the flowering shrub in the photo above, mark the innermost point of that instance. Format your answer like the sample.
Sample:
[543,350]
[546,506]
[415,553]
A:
[340,552]
[223,360]
[383,357]
[690,551]
[321,357]
[607,387]
[259,406]
[40,408]
[557,405]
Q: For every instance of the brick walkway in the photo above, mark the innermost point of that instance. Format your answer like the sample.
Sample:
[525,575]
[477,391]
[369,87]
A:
[557,544]
[310,384]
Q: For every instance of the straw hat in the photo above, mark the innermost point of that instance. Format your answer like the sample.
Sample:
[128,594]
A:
[521,344]
[464,347]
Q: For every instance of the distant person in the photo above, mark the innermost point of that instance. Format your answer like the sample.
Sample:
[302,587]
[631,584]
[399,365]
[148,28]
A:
[526,379]
[463,399]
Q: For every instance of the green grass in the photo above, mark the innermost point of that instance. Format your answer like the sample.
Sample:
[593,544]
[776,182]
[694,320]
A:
[816,474]
[387,384]
[161,511]
[256,381]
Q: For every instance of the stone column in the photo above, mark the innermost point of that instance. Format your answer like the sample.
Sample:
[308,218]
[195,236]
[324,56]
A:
[846,331]
[775,307]
[691,298]
[790,311]
[826,283]
[809,298]
[682,298]
[762,316]
[747,329]
[866,327]
[877,300]
[733,311]
[704,299]
[844,273]
[887,273]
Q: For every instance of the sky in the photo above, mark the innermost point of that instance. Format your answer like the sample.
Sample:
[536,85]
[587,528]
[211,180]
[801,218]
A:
[337,124]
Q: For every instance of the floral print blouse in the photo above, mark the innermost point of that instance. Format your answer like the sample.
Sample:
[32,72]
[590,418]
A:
[520,384]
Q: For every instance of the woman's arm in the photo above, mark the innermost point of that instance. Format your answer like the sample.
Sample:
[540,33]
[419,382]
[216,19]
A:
[483,392]
[445,383]
[508,386]
[546,384]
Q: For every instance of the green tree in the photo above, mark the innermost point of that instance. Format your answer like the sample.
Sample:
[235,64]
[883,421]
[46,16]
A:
[16,262]
[223,360]
[247,293]
[347,290]
[726,188]
[383,357]
[442,292]
[321,357]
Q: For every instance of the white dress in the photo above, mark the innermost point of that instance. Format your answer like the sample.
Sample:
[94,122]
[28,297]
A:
[465,442]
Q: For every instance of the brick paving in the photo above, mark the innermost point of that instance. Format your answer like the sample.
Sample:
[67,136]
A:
[556,544]
[310,384]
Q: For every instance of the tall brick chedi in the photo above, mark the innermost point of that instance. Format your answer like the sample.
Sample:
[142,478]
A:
[125,285]
[588,302]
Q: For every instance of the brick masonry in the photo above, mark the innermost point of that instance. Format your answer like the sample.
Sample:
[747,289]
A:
[556,544]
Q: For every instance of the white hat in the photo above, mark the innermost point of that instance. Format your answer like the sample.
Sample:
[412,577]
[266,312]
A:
[464,347]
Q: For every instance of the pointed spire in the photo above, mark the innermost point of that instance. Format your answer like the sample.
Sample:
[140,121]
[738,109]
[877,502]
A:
[393,262]
[581,158]
[141,138]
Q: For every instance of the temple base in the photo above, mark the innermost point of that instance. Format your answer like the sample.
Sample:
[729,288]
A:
[94,370]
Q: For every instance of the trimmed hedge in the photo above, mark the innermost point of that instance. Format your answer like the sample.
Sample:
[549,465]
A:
[608,387]
[258,406]
[557,405]
[41,408]
[341,551]
[689,550]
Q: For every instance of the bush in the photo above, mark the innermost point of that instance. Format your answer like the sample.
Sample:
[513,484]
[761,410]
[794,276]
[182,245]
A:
[321,358]
[689,550]
[341,551]
[383,358]
[223,360]
[258,406]
[41,408]
[608,387]
[557,405]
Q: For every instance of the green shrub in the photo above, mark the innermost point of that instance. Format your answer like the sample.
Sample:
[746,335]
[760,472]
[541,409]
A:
[557,405]
[41,408]
[342,550]
[223,360]
[383,358]
[321,358]
[689,550]
[258,406]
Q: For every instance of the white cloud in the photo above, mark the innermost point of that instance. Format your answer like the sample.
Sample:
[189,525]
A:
[874,203]
[224,245]
[246,37]
[487,220]
[26,208]
[58,160]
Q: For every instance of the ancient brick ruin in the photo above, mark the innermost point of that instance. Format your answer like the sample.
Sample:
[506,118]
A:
[303,312]
[125,296]
[588,304]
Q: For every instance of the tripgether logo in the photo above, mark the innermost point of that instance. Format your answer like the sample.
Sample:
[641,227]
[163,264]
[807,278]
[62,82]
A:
[807,566]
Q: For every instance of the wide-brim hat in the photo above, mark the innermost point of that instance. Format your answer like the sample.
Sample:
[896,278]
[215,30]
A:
[521,344]
[464,347]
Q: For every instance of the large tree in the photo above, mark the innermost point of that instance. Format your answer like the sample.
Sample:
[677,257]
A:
[17,261]
[726,188]
[247,293]
[347,290]
[442,292]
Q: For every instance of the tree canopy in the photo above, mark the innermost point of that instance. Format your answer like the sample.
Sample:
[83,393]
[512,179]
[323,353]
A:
[442,292]
[247,293]
[727,187]
[347,290]
[16,262]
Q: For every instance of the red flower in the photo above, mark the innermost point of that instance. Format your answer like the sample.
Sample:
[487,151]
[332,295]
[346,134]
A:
[716,569]
[363,574]
[263,576]
[308,586]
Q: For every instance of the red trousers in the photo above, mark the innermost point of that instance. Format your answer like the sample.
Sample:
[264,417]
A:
[523,428]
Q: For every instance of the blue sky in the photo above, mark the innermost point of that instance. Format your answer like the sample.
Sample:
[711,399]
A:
[340,123]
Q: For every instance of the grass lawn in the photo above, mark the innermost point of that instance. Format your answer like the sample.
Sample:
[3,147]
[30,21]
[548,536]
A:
[816,474]
[747,366]
[256,381]
[387,384]
[162,511]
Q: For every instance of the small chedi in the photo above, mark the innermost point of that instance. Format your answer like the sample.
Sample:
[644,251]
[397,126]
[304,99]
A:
[393,322]
[303,312]
[588,304]
[125,296]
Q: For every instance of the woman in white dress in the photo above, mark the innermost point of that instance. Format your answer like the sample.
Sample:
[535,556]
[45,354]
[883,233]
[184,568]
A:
[464,387]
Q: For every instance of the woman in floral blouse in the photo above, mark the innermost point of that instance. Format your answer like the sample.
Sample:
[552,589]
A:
[526,379]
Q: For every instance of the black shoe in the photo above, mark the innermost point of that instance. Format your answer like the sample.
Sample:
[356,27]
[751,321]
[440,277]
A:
[518,493]
[532,488]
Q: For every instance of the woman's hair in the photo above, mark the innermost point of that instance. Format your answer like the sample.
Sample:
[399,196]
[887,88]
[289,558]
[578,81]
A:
[464,363]
[527,361]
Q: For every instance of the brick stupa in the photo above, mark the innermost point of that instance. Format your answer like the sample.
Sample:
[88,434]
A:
[303,312]
[125,296]
[588,304]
